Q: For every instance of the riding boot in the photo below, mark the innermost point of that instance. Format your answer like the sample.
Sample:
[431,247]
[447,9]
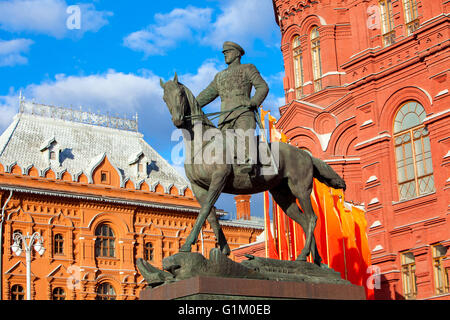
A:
[246,168]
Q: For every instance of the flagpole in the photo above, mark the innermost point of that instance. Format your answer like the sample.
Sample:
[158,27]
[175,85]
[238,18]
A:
[266,236]
[326,229]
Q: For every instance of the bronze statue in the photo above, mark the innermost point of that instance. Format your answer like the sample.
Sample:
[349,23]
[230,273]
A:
[234,85]
[211,172]
[293,180]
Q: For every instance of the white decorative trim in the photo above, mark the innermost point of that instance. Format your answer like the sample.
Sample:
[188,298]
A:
[333,73]
[375,224]
[436,115]
[324,139]
[378,247]
[373,139]
[343,159]
[366,123]
[441,93]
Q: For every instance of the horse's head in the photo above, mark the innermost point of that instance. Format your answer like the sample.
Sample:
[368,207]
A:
[175,99]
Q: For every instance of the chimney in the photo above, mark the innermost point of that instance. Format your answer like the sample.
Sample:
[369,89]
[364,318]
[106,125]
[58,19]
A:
[243,206]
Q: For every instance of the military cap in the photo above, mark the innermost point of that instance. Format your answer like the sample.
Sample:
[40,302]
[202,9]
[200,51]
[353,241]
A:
[231,45]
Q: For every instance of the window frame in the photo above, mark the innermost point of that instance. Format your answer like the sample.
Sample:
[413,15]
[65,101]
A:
[387,22]
[316,59]
[15,293]
[58,244]
[297,56]
[411,14]
[59,295]
[440,273]
[149,251]
[427,172]
[103,294]
[410,283]
[101,240]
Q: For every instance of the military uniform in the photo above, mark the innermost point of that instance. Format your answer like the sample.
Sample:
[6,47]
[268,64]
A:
[234,86]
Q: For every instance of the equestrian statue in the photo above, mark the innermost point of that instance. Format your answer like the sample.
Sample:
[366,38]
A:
[220,164]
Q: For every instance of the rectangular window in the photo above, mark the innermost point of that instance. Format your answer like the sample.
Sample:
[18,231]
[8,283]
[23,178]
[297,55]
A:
[441,282]
[317,67]
[58,244]
[104,177]
[409,275]
[298,67]
[411,15]
[316,60]
[387,22]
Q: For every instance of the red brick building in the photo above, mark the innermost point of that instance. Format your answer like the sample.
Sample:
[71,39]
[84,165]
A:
[101,197]
[367,91]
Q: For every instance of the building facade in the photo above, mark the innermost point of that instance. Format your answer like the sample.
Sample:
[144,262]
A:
[100,197]
[367,91]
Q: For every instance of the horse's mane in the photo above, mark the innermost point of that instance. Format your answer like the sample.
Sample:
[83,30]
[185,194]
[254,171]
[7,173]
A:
[196,112]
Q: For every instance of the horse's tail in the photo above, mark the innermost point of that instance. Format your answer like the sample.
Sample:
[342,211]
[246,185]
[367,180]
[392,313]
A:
[325,174]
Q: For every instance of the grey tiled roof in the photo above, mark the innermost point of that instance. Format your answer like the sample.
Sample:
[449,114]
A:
[253,222]
[81,146]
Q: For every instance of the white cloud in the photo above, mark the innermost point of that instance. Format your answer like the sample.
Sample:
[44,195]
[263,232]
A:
[11,51]
[242,22]
[198,81]
[48,17]
[239,21]
[113,92]
[8,108]
[169,30]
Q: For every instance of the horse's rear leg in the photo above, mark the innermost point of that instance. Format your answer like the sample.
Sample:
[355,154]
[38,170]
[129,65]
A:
[310,243]
[287,201]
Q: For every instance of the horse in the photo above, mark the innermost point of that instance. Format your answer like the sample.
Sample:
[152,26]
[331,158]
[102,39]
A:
[292,181]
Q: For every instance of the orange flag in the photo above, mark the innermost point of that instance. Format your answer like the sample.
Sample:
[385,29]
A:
[271,251]
[340,232]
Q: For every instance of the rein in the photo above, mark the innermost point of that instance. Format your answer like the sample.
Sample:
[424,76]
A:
[215,114]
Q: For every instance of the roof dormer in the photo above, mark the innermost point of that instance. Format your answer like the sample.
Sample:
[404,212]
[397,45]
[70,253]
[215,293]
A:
[138,163]
[51,152]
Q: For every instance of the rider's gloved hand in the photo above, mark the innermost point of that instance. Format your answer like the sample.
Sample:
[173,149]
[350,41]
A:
[253,105]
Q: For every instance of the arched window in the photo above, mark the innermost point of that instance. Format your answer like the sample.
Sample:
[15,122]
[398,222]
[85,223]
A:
[17,292]
[148,251]
[412,152]
[58,294]
[105,241]
[58,244]
[298,67]
[19,242]
[387,22]
[411,15]
[105,291]
[316,62]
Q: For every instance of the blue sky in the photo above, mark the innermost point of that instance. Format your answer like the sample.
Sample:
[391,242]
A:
[112,57]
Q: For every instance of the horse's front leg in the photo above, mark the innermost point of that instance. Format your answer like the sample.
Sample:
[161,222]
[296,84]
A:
[201,195]
[218,181]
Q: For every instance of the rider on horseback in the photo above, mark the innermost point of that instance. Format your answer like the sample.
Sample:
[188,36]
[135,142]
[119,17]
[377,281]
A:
[234,85]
